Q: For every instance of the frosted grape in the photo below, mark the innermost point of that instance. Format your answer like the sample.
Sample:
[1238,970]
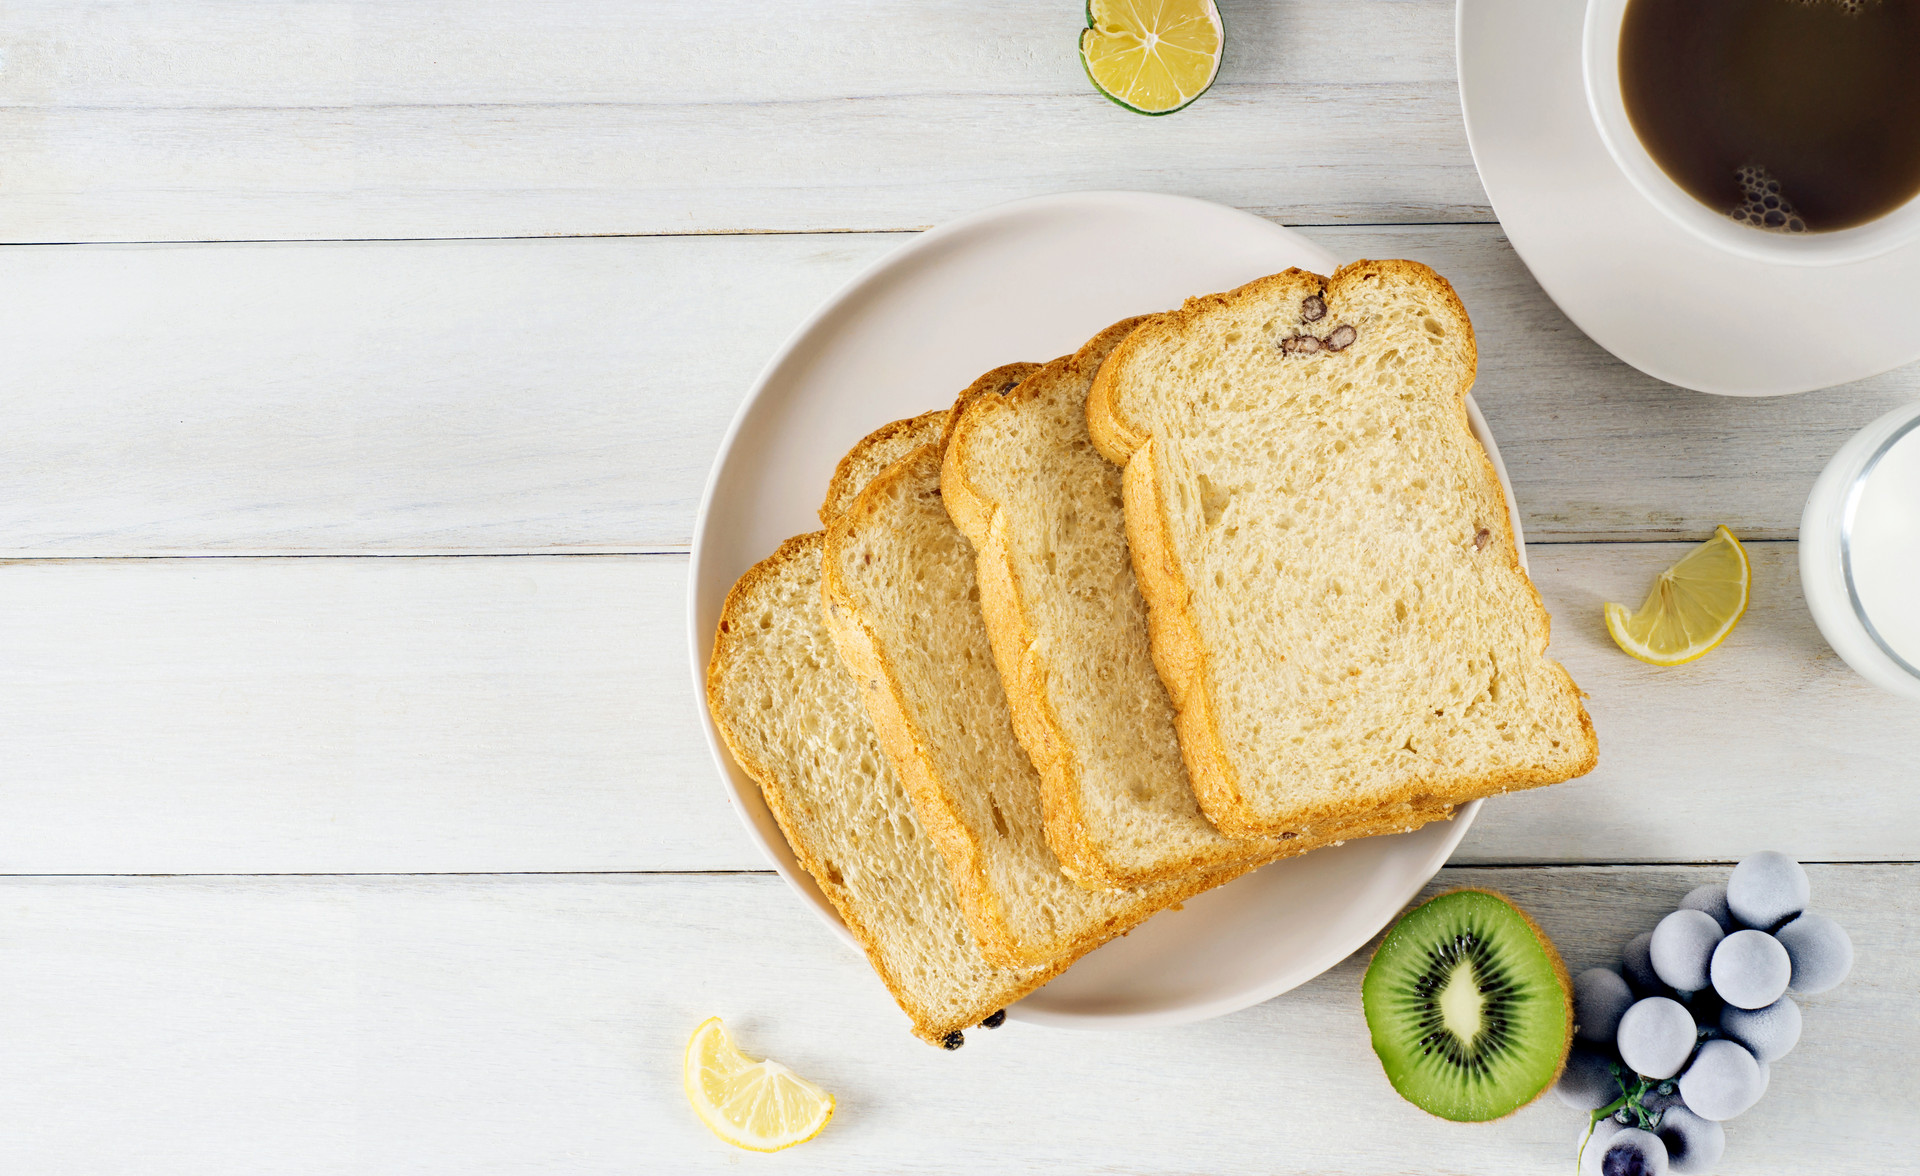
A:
[1656,1037]
[1587,1083]
[1711,898]
[1633,1152]
[1768,1033]
[1681,946]
[1819,950]
[1766,890]
[1750,969]
[1637,958]
[1694,1145]
[1593,1148]
[1723,1080]
[1599,997]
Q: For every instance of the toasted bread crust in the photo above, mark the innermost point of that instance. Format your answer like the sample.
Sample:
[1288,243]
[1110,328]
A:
[855,470]
[1181,656]
[907,750]
[898,739]
[928,1025]
[863,658]
[886,705]
[1023,664]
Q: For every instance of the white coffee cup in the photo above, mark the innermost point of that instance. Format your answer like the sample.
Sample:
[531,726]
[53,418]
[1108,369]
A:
[1600,57]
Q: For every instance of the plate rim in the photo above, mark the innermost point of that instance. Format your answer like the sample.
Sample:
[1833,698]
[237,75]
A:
[780,857]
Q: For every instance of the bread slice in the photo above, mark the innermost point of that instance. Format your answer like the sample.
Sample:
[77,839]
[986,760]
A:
[875,452]
[1041,507]
[789,713]
[1335,601]
[903,609]
[1042,510]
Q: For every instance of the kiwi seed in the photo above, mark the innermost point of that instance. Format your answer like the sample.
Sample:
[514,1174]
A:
[1470,1008]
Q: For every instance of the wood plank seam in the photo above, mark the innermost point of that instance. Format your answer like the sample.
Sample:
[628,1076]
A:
[824,231]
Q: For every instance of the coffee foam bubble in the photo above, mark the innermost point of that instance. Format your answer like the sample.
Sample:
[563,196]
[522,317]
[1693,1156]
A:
[1762,205]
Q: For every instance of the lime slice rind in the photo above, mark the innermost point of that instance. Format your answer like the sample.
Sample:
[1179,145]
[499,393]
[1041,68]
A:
[1108,48]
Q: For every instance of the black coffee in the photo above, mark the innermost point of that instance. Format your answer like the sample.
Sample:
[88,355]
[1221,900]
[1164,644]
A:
[1800,115]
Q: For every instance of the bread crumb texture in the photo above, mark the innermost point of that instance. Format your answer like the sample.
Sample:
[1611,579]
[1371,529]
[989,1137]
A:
[906,615]
[1068,628]
[790,714]
[1337,604]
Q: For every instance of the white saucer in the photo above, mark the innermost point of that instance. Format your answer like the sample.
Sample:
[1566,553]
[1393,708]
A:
[1638,284]
[1032,280]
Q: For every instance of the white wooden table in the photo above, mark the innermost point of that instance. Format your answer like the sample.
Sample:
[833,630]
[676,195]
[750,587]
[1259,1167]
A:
[360,365]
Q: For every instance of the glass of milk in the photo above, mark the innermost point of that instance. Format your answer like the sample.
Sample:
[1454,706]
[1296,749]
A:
[1860,552]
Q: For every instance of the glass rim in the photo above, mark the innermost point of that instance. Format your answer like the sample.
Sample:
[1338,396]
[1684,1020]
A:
[1855,489]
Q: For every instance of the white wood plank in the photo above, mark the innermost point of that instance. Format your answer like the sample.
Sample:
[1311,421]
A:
[211,120]
[351,715]
[1741,750]
[536,713]
[501,395]
[535,1025]
[569,395]
[441,52]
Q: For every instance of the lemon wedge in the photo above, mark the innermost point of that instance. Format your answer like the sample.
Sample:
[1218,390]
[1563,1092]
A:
[759,1105]
[1152,56]
[1693,606]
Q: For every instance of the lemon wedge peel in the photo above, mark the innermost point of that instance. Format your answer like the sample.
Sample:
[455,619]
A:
[758,1105]
[1152,56]
[1692,607]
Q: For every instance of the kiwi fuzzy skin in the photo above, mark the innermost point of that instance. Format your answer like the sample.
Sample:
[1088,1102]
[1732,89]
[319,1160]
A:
[1559,971]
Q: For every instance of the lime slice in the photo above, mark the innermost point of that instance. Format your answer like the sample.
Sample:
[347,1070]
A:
[757,1105]
[1693,606]
[1152,56]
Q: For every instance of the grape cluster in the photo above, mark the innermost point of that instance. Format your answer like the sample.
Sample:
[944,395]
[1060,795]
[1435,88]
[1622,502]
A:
[1680,1036]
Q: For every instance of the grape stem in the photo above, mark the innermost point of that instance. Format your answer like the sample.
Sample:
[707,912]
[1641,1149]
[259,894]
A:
[1633,1087]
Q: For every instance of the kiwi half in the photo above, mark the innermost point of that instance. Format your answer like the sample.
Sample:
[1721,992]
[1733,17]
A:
[1470,1007]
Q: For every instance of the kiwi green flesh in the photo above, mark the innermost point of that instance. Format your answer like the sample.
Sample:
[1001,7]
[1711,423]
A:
[1468,1011]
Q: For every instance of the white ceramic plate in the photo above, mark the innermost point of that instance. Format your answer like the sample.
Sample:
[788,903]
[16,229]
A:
[1641,286]
[1033,280]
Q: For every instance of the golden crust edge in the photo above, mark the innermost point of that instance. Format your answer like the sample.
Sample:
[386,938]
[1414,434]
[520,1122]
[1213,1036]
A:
[901,744]
[886,707]
[993,563]
[1036,724]
[841,490]
[1024,669]
[925,1024]
[1184,669]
